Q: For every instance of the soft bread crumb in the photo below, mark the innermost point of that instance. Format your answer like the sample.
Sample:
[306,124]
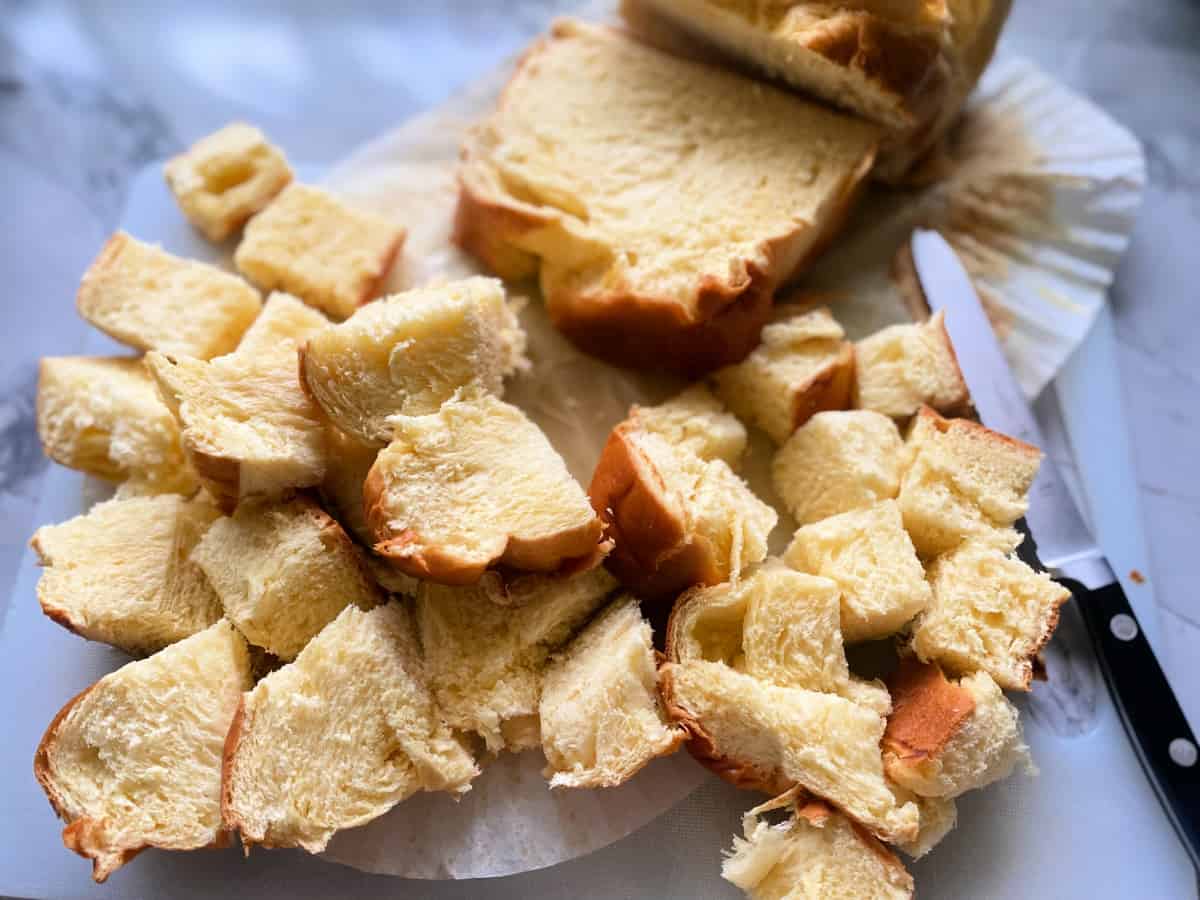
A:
[939,815]
[904,367]
[284,320]
[695,421]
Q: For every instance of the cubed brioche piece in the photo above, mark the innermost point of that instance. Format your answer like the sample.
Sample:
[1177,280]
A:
[602,719]
[989,612]
[284,320]
[135,760]
[939,815]
[338,737]
[143,296]
[695,421]
[474,485]
[904,367]
[945,738]
[869,554]
[283,572]
[838,461]
[770,738]
[816,854]
[964,481]
[802,367]
[668,259]
[486,647]
[102,415]
[123,573]
[409,353]
[226,177]
[309,243]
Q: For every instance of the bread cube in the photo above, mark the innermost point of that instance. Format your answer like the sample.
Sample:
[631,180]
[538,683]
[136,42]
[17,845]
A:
[143,296]
[226,177]
[989,612]
[904,367]
[803,366]
[696,422]
[869,555]
[836,462]
[309,243]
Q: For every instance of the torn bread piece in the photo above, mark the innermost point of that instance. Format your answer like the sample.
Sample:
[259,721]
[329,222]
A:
[124,572]
[409,353]
[869,554]
[283,571]
[486,647]
[802,367]
[476,485]
[904,367]
[135,760]
[669,259]
[102,415]
[149,299]
[226,177]
[694,420]
[939,815]
[838,461]
[601,716]
[339,736]
[989,612]
[284,320]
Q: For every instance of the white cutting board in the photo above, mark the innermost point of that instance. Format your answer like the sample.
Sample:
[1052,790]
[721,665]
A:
[1087,827]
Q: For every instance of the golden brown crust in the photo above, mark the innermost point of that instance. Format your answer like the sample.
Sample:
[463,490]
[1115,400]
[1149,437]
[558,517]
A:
[677,621]
[478,226]
[927,711]
[370,289]
[233,738]
[832,388]
[942,424]
[1034,667]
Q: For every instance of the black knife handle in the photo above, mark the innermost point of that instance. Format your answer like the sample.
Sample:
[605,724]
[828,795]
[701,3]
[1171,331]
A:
[1153,719]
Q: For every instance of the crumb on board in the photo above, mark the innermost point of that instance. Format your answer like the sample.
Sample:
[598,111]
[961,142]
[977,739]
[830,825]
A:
[1136,577]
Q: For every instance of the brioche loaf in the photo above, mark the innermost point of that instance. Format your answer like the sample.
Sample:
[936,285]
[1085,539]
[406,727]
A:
[474,485]
[660,201]
[309,243]
[124,573]
[409,353]
[869,554]
[135,760]
[802,366]
[226,177]
[338,737]
[601,716]
[904,367]
[838,461]
[146,298]
[695,421]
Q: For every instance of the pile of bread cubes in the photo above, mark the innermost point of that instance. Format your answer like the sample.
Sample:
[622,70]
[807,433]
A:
[350,571]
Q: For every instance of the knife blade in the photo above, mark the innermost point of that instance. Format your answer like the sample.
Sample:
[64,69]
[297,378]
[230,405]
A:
[1065,546]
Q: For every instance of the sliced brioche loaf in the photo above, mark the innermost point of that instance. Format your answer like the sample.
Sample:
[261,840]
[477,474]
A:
[135,760]
[474,485]
[309,243]
[284,320]
[802,366]
[661,200]
[283,571]
[695,421]
[226,177]
[124,573]
[989,612]
[409,353]
[838,461]
[904,367]
[146,298]
[869,554]
[601,716]
[338,737]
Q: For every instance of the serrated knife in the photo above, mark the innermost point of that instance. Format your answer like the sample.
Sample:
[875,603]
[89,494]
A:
[1065,547]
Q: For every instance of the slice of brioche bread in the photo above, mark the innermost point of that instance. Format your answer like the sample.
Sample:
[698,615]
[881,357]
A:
[338,737]
[474,485]
[989,612]
[102,415]
[309,243]
[838,461]
[601,716]
[939,815]
[802,366]
[284,320]
[226,177]
[409,353]
[695,421]
[486,647]
[904,367]
[816,854]
[124,572]
[148,299]
[771,738]
[283,572]
[135,760]
[869,554]
[964,481]
[660,200]
[945,738]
